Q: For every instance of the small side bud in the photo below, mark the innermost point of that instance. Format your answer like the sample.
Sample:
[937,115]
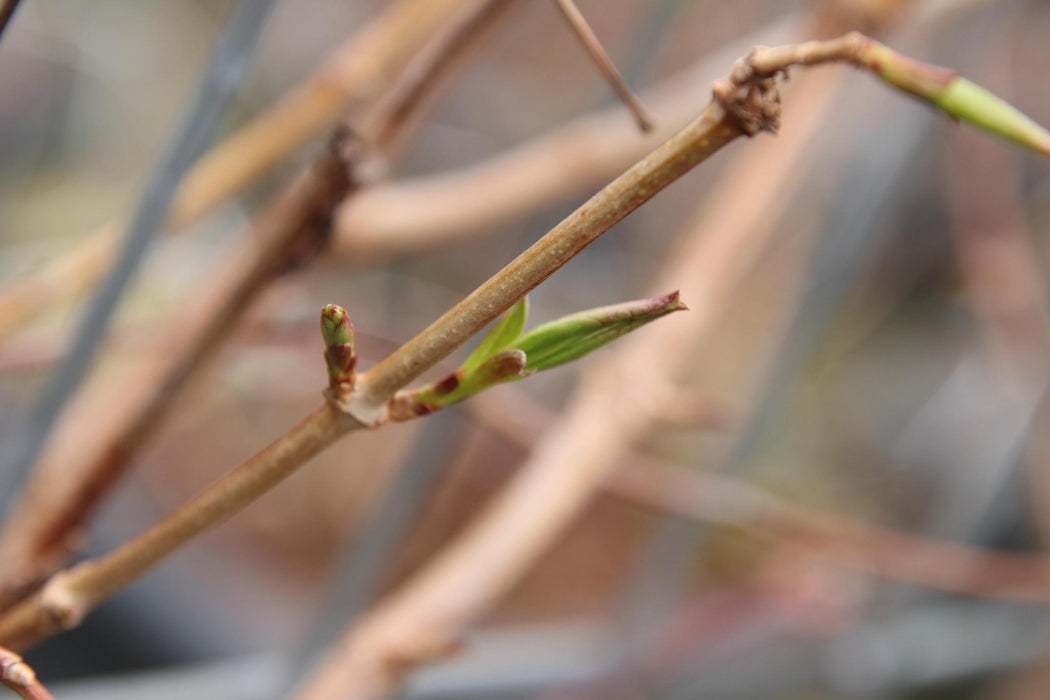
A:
[338,335]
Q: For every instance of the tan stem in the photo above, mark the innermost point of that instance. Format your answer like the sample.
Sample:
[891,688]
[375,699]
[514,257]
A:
[690,146]
[594,49]
[70,595]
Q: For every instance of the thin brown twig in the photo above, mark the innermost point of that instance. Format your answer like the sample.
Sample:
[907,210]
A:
[355,73]
[293,229]
[17,675]
[71,594]
[593,46]
[7,10]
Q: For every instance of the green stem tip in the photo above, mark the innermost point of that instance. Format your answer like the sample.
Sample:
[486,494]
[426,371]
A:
[955,95]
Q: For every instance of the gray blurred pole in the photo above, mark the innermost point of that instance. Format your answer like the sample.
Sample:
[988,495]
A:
[224,74]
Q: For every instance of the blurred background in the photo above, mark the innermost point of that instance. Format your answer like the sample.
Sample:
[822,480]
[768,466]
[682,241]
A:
[883,358]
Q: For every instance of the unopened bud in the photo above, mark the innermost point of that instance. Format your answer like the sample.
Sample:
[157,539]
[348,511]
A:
[338,335]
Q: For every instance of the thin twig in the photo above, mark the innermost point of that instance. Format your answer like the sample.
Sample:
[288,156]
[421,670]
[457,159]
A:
[605,64]
[289,232]
[7,10]
[356,72]
[71,594]
[19,677]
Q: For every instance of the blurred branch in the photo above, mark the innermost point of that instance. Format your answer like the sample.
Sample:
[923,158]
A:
[594,49]
[93,450]
[19,677]
[356,72]
[7,10]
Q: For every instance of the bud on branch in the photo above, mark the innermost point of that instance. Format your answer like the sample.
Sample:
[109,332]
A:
[505,355]
[338,335]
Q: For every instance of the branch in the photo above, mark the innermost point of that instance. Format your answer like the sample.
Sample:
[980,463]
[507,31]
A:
[689,147]
[426,618]
[71,594]
[594,49]
[415,632]
[7,10]
[19,677]
[290,232]
[354,74]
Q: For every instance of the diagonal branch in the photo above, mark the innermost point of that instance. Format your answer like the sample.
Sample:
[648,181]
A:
[7,10]
[424,620]
[289,232]
[594,49]
[19,677]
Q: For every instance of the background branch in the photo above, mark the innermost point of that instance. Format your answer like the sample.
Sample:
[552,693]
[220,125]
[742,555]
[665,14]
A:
[593,46]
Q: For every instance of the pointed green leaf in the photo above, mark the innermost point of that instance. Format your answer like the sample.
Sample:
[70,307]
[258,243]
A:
[574,336]
[503,334]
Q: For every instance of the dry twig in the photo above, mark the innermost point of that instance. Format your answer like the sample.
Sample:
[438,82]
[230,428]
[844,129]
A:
[594,49]
[19,677]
